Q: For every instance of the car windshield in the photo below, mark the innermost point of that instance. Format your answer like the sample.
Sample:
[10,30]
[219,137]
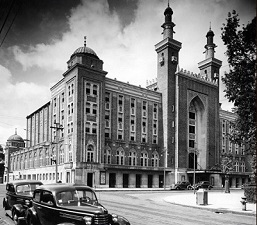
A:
[26,189]
[78,197]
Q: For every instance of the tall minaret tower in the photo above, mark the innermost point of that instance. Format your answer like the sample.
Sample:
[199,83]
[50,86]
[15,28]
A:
[210,66]
[167,62]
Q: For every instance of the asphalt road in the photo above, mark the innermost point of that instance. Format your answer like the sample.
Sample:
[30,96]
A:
[148,208]
[142,208]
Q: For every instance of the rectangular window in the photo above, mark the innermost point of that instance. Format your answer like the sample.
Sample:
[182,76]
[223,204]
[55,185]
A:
[94,109]
[192,115]
[87,127]
[88,106]
[120,103]
[88,85]
[120,135]
[191,143]
[94,128]
[192,129]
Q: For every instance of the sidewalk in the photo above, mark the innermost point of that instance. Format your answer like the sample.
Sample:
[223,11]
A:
[218,201]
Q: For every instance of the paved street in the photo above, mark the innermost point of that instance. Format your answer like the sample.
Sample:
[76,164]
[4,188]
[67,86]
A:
[150,207]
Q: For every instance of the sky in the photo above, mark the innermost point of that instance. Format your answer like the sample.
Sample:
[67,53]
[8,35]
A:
[123,33]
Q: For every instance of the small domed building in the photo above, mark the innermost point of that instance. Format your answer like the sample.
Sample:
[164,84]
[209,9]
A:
[15,145]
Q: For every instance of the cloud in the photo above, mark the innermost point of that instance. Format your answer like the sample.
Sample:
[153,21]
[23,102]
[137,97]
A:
[17,100]
[128,52]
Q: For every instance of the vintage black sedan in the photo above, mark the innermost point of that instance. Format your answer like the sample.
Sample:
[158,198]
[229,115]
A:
[68,204]
[17,198]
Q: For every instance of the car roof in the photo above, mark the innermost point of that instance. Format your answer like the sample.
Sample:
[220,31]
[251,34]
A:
[21,182]
[58,187]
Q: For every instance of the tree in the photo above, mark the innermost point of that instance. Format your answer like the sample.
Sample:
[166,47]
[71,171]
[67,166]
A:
[227,166]
[240,81]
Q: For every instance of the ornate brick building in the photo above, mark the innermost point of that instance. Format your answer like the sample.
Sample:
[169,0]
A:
[107,133]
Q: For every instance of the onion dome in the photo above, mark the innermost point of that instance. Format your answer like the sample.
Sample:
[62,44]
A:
[85,51]
[15,137]
[168,11]
[210,33]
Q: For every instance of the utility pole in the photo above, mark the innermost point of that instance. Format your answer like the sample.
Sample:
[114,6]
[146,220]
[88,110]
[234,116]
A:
[164,169]
[57,127]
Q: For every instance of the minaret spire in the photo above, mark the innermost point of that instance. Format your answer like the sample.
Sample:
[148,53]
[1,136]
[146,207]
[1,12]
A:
[168,24]
[210,46]
[85,41]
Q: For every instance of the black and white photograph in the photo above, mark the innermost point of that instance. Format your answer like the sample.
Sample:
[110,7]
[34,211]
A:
[128,112]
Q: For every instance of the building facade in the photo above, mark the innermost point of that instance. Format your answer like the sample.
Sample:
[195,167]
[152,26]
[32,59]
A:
[106,133]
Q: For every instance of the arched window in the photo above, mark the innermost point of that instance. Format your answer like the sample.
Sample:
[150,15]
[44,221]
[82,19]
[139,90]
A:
[155,160]
[90,153]
[144,159]
[30,160]
[14,164]
[243,166]
[35,159]
[25,161]
[40,158]
[132,158]
[237,166]
[120,157]
[61,155]
[53,156]
[47,160]
[21,163]
[107,156]
[70,152]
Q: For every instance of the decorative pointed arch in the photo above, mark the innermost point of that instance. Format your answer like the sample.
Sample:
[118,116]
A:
[90,152]
[197,131]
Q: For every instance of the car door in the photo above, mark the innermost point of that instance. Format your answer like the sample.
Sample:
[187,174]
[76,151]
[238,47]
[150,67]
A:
[43,207]
[47,211]
[10,196]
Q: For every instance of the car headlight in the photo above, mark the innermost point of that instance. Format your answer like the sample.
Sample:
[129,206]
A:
[114,218]
[88,220]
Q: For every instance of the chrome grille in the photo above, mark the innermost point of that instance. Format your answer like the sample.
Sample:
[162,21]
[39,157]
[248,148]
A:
[101,219]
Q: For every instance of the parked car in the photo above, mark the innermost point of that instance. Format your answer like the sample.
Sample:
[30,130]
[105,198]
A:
[181,185]
[69,204]
[201,184]
[18,195]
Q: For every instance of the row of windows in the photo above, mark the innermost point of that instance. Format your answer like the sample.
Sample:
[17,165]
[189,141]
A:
[227,127]
[29,160]
[228,146]
[132,158]
[120,118]
[242,165]
[41,176]
[192,128]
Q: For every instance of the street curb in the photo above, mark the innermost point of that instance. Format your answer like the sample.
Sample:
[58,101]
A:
[215,210]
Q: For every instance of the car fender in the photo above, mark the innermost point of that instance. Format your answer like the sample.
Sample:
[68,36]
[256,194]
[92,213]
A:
[121,221]
[19,208]
[31,212]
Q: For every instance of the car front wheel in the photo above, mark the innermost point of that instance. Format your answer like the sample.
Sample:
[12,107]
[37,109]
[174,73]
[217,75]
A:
[30,221]
[15,217]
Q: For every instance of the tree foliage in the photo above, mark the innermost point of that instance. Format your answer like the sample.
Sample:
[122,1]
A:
[240,81]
